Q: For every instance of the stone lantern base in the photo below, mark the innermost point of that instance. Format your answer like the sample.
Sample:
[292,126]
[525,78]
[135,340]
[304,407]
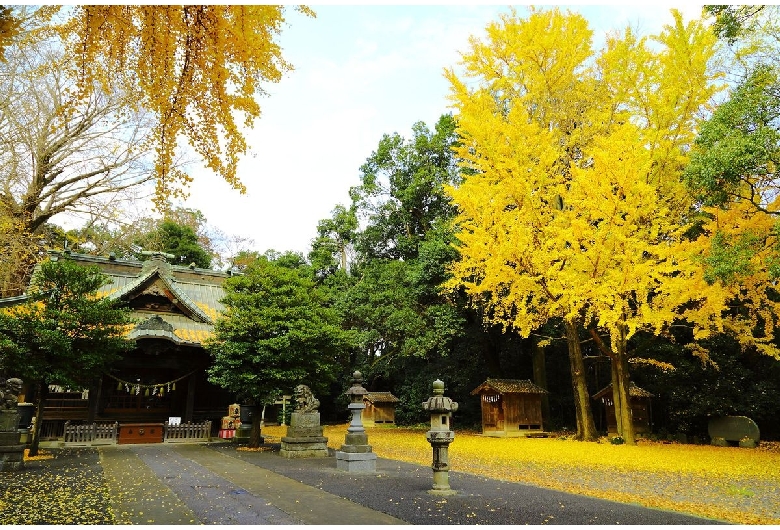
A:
[356,462]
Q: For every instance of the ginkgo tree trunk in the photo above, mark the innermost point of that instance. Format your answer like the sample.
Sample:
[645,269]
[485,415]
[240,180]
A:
[573,207]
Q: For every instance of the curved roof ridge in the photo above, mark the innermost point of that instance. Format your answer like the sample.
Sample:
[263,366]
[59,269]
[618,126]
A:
[186,300]
[134,285]
[169,282]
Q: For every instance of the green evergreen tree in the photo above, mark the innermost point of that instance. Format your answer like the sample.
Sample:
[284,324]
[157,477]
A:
[62,334]
[277,331]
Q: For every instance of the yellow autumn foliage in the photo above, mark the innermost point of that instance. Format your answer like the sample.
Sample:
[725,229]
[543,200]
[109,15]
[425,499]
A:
[199,68]
[573,206]
[576,207]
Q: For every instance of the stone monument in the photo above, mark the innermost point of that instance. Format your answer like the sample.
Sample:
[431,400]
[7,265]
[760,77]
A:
[11,449]
[304,434]
[355,455]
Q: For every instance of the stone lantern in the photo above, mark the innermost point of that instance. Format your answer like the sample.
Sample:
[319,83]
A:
[440,436]
[355,454]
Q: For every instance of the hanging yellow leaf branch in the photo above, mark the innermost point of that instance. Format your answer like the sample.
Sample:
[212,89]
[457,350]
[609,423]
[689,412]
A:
[195,66]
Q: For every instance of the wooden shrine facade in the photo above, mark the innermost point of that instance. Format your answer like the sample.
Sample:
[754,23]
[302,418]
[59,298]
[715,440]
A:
[164,376]
[510,407]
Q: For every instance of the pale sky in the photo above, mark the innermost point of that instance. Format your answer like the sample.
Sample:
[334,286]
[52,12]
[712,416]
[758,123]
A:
[360,72]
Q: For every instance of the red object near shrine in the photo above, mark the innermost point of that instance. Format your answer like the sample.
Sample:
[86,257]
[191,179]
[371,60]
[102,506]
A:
[140,433]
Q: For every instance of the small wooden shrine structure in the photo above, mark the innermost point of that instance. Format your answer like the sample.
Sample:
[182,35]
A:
[511,407]
[380,408]
[640,408]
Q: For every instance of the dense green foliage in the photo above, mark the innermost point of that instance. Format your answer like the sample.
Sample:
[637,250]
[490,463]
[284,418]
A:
[277,332]
[179,240]
[62,334]
[738,148]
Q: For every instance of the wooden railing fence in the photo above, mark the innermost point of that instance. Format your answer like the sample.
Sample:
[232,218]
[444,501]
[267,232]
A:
[107,433]
[188,432]
[91,433]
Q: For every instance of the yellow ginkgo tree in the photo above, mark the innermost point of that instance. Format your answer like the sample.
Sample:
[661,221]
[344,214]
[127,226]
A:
[573,208]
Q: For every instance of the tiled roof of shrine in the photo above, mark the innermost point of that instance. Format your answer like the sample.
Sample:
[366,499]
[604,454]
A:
[508,386]
[185,299]
[633,391]
[381,397]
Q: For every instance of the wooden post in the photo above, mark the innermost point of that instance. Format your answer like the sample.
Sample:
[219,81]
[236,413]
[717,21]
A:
[188,411]
[540,378]
[95,394]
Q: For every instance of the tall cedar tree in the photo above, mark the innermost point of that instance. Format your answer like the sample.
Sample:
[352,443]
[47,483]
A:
[62,334]
[394,303]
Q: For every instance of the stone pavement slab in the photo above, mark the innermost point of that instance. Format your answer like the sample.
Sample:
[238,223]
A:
[137,495]
[309,504]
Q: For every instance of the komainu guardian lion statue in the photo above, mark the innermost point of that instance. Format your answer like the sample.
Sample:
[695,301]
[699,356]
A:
[305,400]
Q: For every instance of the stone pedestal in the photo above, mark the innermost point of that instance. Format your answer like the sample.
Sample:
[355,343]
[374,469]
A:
[242,434]
[9,420]
[355,455]
[304,437]
[356,462]
[11,448]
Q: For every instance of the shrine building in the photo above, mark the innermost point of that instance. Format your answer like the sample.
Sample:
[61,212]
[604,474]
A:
[164,376]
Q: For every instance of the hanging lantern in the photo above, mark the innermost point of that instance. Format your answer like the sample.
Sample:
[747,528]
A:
[146,393]
[174,386]
[162,391]
[119,386]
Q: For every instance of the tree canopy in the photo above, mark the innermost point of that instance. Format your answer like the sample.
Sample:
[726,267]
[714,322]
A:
[62,334]
[92,90]
[575,209]
[196,67]
[59,152]
[179,240]
[277,332]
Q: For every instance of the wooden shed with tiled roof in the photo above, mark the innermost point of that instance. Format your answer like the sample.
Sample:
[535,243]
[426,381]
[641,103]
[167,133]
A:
[174,308]
[380,408]
[510,407]
[640,408]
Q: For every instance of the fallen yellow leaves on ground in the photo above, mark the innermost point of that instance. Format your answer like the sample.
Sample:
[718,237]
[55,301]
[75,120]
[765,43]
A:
[727,483]
[58,491]
[42,455]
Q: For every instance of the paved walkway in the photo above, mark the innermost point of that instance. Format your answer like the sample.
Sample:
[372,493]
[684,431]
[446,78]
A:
[194,484]
[215,484]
